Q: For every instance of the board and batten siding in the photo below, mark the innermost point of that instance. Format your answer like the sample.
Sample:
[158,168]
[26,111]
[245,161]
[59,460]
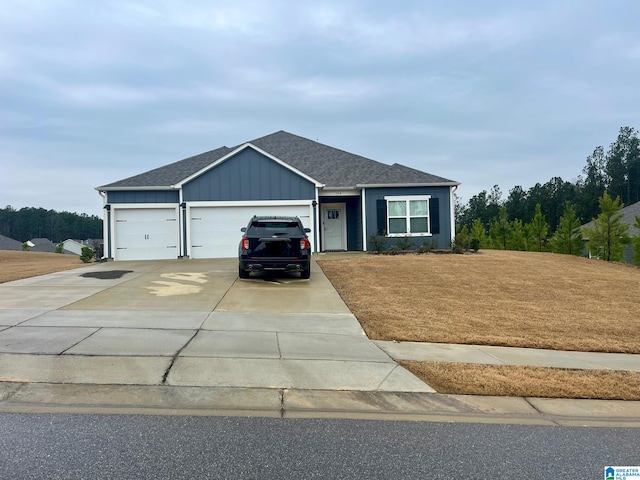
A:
[249,175]
[442,216]
[143,196]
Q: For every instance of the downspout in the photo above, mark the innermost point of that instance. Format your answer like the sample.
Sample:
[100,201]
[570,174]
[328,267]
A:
[364,220]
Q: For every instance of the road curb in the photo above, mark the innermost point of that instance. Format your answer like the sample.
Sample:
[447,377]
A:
[291,403]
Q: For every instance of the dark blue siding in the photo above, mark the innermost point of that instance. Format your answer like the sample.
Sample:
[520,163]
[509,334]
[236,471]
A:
[249,175]
[443,238]
[354,220]
[143,196]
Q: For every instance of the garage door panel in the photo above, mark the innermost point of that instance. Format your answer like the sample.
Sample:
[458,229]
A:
[146,234]
[215,231]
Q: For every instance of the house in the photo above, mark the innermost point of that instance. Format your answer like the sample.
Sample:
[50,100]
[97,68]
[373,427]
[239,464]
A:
[629,214]
[41,245]
[73,246]
[7,243]
[195,207]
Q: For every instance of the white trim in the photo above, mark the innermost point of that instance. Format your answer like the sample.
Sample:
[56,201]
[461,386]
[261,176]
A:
[118,189]
[452,211]
[246,203]
[340,192]
[315,211]
[364,221]
[408,198]
[343,222]
[237,151]
[403,185]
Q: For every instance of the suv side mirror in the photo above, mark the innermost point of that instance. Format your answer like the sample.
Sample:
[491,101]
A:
[243,229]
[307,230]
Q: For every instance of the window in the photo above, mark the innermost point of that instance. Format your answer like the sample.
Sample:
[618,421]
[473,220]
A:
[408,216]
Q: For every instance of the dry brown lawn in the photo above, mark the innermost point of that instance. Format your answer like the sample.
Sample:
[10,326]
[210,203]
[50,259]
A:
[16,265]
[519,381]
[518,299]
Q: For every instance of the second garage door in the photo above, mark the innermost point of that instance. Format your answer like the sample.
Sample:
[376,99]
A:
[215,231]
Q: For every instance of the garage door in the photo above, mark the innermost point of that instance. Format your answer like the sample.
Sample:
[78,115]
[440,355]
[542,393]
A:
[146,234]
[215,231]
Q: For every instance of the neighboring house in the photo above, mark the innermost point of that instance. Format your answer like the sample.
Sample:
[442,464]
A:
[7,243]
[41,245]
[629,214]
[196,207]
[73,246]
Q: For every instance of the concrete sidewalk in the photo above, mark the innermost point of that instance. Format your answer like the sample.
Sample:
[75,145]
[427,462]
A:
[489,355]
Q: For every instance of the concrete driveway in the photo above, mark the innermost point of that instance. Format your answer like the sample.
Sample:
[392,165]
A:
[189,323]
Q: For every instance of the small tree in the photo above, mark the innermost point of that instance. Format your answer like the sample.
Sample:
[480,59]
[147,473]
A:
[608,235]
[568,237]
[59,248]
[518,236]
[479,233]
[539,228]
[25,247]
[500,229]
[636,243]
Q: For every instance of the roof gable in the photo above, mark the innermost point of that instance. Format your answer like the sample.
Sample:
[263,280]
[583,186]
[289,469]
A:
[172,174]
[321,164]
[238,150]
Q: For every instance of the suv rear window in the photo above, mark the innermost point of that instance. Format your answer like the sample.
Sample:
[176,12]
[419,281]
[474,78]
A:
[274,228]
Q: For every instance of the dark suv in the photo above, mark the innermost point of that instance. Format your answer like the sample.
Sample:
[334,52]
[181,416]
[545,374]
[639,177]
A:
[274,244]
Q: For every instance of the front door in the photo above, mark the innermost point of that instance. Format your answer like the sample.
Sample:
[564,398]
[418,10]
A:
[334,226]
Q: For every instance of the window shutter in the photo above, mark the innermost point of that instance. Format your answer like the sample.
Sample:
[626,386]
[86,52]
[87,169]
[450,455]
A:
[434,215]
[381,206]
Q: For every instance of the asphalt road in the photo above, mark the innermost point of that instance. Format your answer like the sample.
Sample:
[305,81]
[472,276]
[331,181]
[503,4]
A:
[53,446]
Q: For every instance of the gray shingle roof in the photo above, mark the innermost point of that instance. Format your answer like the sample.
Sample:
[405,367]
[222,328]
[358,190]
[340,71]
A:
[7,243]
[173,173]
[629,215]
[328,165]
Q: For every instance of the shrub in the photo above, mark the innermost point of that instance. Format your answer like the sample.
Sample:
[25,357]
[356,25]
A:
[25,247]
[404,243]
[394,250]
[475,244]
[98,251]
[59,248]
[461,243]
[378,243]
[87,254]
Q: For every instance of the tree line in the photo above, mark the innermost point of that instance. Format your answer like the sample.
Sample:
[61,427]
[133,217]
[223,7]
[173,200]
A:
[28,222]
[616,172]
[547,217]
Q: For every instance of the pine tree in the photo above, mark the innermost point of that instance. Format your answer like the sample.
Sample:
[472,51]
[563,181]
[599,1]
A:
[568,237]
[608,235]
[539,228]
[500,230]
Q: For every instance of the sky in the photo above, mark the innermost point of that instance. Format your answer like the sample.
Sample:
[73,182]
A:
[483,93]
